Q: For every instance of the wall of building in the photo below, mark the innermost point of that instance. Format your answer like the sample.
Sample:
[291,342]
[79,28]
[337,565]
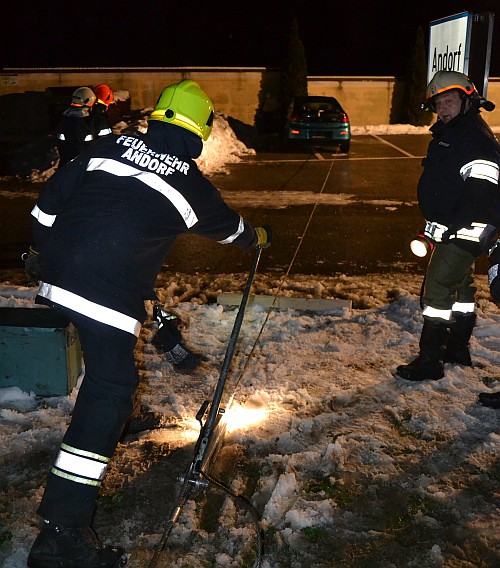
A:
[235,92]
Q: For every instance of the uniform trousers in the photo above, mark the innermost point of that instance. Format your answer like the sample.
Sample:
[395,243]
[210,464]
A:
[449,278]
[104,402]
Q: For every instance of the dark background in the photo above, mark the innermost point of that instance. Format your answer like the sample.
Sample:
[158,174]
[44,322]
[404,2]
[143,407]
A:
[348,37]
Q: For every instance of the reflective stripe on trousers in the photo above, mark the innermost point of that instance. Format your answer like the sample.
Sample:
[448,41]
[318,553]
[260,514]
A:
[449,282]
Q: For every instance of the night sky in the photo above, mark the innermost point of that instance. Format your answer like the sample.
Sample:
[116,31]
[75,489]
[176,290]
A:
[348,37]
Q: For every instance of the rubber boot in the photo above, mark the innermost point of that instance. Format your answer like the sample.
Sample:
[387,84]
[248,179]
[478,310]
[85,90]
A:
[428,365]
[78,547]
[457,346]
[491,399]
[141,420]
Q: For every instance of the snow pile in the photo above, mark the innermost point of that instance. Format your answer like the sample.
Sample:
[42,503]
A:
[334,450]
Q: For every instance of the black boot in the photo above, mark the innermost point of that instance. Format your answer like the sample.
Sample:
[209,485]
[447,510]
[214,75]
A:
[141,420]
[79,547]
[491,399]
[427,366]
[457,346]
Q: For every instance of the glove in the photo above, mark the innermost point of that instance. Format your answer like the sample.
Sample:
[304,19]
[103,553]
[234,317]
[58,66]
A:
[32,265]
[263,236]
[494,282]
[168,334]
[493,272]
[168,339]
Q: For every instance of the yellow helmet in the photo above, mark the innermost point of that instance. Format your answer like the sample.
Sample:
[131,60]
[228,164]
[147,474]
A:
[185,105]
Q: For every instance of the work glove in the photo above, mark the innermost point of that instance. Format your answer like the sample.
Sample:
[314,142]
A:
[493,272]
[263,236]
[168,339]
[32,265]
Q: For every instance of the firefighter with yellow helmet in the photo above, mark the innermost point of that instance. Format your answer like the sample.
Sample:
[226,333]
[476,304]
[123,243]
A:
[458,195]
[102,227]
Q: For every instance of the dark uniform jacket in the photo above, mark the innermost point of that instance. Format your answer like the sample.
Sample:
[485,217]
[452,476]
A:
[74,133]
[459,184]
[105,222]
[99,119]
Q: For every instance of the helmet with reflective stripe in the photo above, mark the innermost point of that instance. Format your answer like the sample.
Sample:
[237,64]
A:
[185,105]
[83,96]
[448,81]
[104,94]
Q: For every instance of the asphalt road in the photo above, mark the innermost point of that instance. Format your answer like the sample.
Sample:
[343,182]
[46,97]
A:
[330,213]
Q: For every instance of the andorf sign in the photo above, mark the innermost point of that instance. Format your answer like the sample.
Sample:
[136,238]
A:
[449,44]
[462,42]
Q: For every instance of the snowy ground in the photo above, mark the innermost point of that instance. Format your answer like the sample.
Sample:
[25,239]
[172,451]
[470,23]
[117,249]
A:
[347,465]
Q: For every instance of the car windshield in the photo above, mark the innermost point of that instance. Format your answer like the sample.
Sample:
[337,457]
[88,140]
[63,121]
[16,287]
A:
[319,106]
[316,105]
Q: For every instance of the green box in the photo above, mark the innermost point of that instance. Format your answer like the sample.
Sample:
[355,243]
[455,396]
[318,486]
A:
[40,351]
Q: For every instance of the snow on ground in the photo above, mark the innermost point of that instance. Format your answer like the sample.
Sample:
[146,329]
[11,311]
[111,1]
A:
[347,465]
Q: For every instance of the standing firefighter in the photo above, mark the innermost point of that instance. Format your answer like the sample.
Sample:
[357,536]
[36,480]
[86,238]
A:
[458,194]
[99,114]
[103,226]
[75,131]
[492,399]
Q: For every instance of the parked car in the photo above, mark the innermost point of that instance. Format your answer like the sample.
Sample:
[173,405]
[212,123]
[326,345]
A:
[318,120]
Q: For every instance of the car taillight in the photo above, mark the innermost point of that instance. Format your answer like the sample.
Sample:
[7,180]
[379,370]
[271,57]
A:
[345,120]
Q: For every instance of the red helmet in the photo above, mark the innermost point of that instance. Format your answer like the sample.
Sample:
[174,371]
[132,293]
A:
[104,94]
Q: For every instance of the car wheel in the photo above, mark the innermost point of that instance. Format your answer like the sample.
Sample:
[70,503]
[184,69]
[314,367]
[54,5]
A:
[344,147]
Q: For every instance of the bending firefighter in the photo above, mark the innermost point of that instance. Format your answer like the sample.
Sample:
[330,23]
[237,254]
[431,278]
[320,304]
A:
[102,227]
[458,195]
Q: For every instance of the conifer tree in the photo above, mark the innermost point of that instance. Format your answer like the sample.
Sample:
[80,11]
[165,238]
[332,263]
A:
[294,79]
[416,86]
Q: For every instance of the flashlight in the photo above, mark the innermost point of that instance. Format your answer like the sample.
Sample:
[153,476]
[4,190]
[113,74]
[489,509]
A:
[421,245]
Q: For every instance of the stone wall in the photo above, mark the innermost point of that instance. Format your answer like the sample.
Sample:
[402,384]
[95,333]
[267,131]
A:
[235,92]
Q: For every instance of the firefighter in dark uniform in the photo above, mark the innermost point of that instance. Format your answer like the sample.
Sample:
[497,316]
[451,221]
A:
[99,113]
[458,195]
[169,340]
[75,132]
[492,399]
[102,227]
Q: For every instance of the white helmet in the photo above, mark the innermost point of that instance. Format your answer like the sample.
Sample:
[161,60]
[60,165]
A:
[453,80]
[83,97]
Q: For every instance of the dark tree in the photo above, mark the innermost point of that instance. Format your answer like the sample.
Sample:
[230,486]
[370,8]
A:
[415,86]
[294,80]
[279,89]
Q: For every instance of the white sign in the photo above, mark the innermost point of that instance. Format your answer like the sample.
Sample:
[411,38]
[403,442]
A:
[449,43]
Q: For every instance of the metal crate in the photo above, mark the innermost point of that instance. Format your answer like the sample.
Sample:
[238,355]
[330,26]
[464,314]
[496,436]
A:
[40,351]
